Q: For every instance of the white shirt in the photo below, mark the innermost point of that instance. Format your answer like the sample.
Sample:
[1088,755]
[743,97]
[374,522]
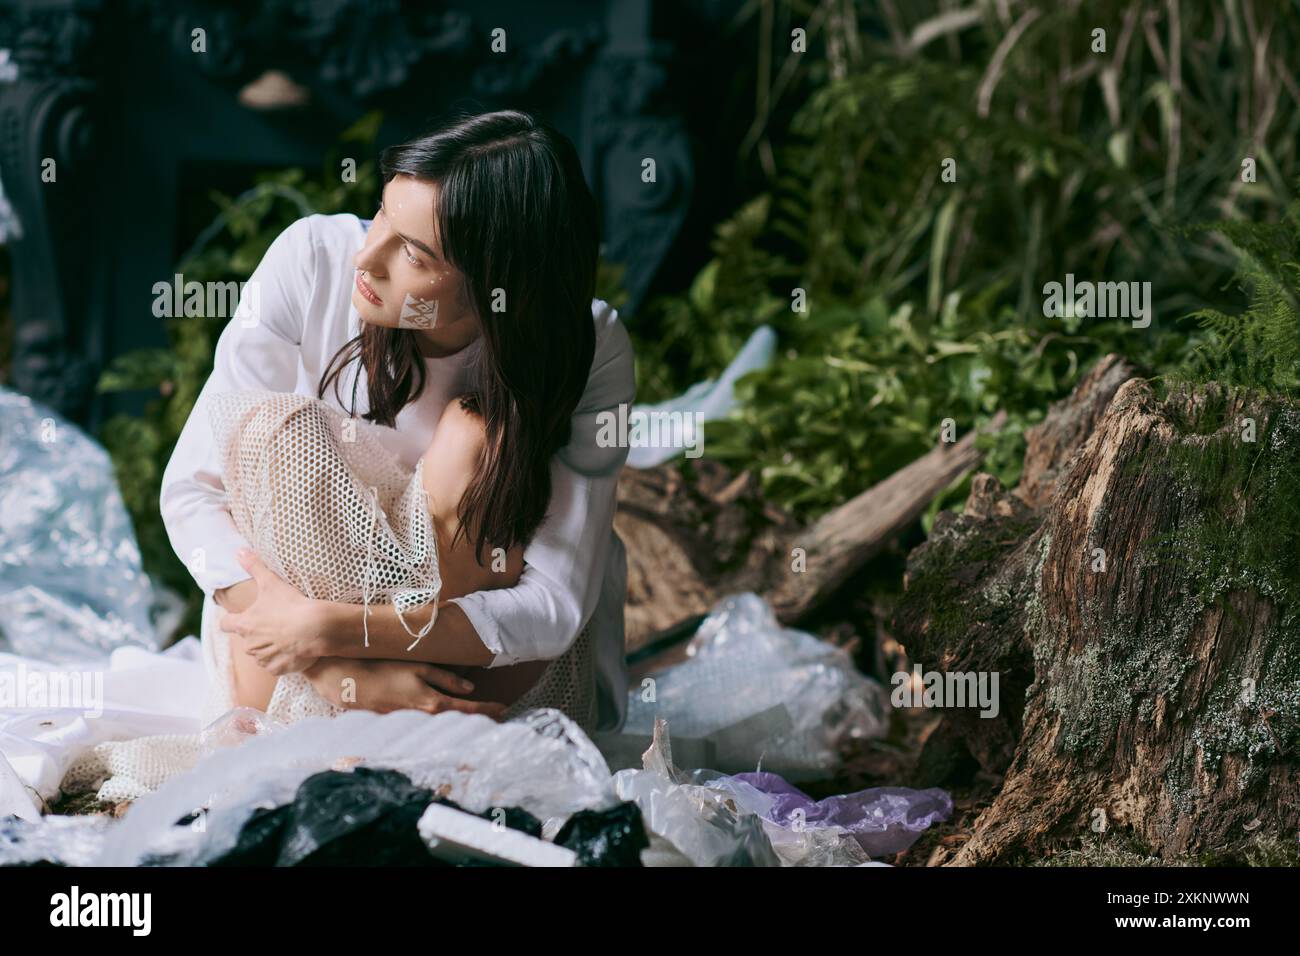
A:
[282,339]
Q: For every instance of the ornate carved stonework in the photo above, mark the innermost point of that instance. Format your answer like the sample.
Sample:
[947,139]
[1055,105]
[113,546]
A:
[630,121]
[47,115]
[363,48]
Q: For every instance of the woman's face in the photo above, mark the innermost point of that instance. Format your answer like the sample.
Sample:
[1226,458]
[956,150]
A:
[402,267]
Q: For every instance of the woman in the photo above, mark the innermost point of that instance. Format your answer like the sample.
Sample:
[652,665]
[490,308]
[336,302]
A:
[476,276]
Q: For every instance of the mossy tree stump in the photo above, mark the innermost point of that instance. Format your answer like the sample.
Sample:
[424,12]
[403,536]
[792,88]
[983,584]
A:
[1138,595]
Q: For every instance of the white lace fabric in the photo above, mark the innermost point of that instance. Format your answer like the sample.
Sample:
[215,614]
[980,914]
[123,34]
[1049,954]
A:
[330,510]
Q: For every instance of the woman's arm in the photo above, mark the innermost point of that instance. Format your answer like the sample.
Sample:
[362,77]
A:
[453,639]
[288,632]
[384,686]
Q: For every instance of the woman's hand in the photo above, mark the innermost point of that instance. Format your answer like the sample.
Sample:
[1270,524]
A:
[384,686]
[282,629]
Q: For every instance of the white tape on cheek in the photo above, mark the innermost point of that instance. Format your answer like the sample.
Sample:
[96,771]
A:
[418,313]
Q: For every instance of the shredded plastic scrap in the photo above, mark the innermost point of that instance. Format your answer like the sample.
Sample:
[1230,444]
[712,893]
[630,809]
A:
[703,825]
[743,667]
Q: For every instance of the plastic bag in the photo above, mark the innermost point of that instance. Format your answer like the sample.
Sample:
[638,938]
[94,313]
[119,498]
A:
[542,762]
[711,400]
[71,582]
[881,821]
[743,668]
[613,837]
[51,741]
[55,840]
[15,797]
[704,826]
[362,818]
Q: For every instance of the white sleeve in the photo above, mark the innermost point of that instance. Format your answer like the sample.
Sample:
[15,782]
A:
[564,563]
[259,348]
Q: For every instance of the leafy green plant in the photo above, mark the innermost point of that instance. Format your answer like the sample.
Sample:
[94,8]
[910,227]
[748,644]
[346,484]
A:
[1260,347]
[923,296]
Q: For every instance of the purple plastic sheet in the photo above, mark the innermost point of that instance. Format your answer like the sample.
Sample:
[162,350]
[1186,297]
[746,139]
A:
[884,820]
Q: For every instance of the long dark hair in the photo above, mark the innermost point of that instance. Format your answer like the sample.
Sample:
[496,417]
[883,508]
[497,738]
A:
[515,214]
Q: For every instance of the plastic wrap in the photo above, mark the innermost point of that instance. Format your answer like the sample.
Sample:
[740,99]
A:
[611,838]
[709,399]
[703,825]
[541,762]
[363,817]
[71,583]
[54,744]
[15,797]
[63,841]
[744,667]
[881,821]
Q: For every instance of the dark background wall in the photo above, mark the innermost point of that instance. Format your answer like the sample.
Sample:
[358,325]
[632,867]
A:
[142,127]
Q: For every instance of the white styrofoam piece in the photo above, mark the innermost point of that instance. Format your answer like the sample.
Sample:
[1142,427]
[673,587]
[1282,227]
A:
[454,835]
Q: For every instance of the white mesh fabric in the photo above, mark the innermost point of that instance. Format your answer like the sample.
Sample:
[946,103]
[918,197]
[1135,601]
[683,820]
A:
[325,504]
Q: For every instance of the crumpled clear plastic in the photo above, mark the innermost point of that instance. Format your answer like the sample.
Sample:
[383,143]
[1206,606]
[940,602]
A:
[541,762]
[62,840]
[71,582]
[703,825]
[759,819]
[15,795]
[743,666]
[234,727]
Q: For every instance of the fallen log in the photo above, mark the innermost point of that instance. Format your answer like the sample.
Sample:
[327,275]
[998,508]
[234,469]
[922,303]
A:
[697,534]
[1146,642]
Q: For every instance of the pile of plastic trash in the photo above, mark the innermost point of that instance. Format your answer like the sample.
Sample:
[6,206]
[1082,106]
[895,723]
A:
[459,789]
[466,790]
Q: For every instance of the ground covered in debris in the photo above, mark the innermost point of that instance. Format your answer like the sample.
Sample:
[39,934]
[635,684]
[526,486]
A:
[892,761]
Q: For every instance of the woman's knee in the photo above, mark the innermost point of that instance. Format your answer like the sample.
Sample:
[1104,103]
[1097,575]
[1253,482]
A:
[300,437]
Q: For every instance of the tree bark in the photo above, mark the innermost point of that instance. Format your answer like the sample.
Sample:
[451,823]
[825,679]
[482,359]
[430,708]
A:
[1132,697]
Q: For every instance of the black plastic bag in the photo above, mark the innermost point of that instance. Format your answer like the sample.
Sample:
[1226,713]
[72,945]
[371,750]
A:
[613,837]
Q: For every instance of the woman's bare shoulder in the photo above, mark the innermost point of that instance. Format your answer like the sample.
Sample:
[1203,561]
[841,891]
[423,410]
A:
[453,455]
